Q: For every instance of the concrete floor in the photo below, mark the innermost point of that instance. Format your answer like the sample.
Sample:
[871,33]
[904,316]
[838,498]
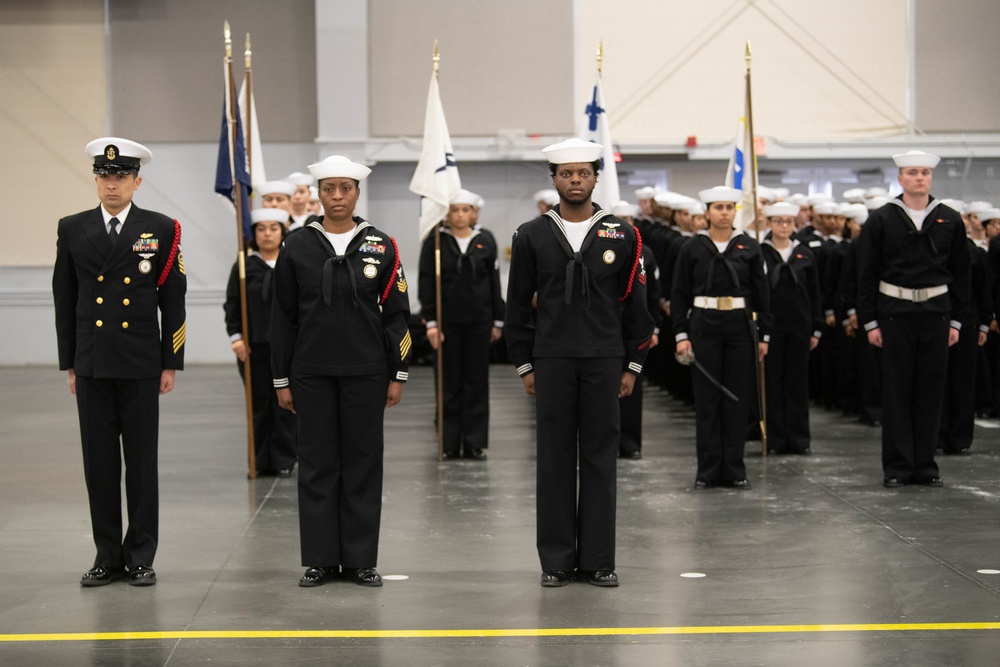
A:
[817,565]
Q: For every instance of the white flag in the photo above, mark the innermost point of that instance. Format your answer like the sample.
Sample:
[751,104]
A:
[738,176]
[251,137]
[595,128]
[436,177]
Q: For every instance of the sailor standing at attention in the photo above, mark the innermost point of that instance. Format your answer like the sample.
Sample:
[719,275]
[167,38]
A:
[582,352]
[913,286]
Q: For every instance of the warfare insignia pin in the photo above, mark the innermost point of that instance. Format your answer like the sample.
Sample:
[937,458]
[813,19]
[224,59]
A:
[145,266]
[147,235]
[373,238]
[370,260]
[370,271]
[611,225]
[609,256]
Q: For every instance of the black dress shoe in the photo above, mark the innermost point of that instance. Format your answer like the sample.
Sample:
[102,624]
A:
[931,481]
[100,576]
[140,575]
[701,485]
[633,455]
[317,576]
[805,451]
[285,472]
[367,576]
[603,578]
[891,483]
[741,484]
[554,578]
[475,454]
[449,456]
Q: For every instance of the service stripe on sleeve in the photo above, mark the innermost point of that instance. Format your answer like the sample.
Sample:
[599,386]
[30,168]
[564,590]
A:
[180,337]
[404,345]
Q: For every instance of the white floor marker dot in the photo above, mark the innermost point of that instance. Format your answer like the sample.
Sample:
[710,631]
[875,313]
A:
[988,571]
[395,577]
[693,575]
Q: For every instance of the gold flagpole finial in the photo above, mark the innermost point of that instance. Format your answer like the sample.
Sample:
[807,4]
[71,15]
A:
[247,54]
[747,56]
[436,57]
[600,56]
[229,39]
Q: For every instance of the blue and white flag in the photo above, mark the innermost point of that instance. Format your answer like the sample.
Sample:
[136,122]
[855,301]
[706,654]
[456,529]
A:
[232,164]
[436,178]
[738,175]
[595,128]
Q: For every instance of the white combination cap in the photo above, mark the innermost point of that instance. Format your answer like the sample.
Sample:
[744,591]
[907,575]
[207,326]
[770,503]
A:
[274,188]
[989,214]
[916,159]
[782,208]
[268,214]
[573,150]
[338,166]
[298,178]
[855,195]
[721,193]
[114,155]
[466,197]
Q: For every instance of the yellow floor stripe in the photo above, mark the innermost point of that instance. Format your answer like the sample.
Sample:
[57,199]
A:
[512,632]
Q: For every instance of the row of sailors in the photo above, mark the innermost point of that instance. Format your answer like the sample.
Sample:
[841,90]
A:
[817,300]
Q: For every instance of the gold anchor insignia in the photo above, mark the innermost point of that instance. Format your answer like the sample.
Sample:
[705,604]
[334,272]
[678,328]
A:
[111,152]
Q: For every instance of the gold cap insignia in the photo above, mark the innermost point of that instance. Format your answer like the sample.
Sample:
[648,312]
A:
[111,152]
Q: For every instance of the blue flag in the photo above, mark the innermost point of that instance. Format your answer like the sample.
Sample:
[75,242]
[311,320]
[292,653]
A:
[233,160]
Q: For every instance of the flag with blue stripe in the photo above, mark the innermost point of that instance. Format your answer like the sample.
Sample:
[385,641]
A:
[232,163]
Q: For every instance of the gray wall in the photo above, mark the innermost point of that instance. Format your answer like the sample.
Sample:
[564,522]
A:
[167,72]
[957,54]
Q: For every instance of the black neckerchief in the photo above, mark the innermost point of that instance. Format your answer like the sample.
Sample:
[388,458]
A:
[576,258]
[336,260]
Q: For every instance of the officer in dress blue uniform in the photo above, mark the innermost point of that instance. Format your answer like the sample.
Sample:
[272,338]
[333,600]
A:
[582,352]
[118,286]
[913,287]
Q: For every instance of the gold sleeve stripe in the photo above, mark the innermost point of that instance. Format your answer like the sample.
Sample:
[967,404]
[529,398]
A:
[180,264]
[404,345]
[180,337]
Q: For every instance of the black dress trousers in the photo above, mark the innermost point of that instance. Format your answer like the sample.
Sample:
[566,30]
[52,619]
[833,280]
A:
[129,409]
[466,350]
[720,422]
[914,368]
[958,412]
[577,530]
[787,376]
[340,467]
[273,427]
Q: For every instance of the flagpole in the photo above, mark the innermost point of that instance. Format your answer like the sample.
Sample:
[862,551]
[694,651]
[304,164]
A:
[248,79]
[240,255]
[436,59]
[754,207]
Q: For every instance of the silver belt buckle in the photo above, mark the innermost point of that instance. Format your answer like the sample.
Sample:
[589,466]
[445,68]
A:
[919,295]
[725,302]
